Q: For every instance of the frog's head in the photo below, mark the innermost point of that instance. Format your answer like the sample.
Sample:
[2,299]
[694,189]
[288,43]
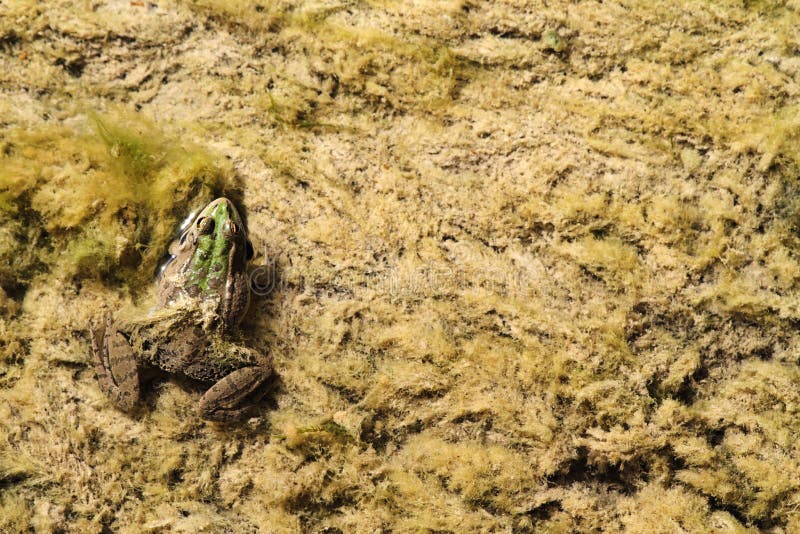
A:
[209,261]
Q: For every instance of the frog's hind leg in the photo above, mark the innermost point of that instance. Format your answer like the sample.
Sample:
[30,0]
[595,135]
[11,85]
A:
[116,366]
[236,393]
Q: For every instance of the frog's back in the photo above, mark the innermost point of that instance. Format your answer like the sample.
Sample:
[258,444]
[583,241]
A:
[187,340]
[168,338]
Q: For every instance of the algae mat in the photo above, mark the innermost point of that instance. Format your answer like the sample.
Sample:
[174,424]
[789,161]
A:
[535,262]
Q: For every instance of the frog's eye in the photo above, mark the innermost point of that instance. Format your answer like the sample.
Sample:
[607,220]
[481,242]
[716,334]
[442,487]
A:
[205,225]
[234,229]
[249,249]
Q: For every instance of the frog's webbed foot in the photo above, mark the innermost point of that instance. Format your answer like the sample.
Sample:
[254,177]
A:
[233,396]
[116,366]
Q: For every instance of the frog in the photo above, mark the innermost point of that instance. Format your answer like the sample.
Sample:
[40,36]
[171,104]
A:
[203,293]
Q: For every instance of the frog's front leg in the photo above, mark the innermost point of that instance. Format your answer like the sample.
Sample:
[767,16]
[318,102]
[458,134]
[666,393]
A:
[116,366]
[233,395]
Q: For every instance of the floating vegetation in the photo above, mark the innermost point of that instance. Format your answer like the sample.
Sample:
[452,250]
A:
[96,205]
[535,269]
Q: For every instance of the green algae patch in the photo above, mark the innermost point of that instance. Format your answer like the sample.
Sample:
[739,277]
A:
[97,205]
[370,66]
[533,267]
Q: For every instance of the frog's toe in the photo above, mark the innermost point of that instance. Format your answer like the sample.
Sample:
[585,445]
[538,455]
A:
[231,397]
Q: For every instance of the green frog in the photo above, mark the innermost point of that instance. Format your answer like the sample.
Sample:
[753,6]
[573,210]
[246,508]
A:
[203,293]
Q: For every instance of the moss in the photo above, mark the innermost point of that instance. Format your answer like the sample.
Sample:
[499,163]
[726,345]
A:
[654,510]
[553,41]
[536,268]
[136,153]
[56,220]
[604,257]
[775,135]
[752,458]
[16,514]
[374,66]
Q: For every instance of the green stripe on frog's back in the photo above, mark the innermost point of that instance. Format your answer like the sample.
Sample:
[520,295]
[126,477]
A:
[209,266]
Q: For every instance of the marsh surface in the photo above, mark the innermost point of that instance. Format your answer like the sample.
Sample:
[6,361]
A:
[536,262]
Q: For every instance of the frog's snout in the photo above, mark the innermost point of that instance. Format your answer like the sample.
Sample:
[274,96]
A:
[220,201]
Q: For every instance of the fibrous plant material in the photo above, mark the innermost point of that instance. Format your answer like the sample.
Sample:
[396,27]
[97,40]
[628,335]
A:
[535,263]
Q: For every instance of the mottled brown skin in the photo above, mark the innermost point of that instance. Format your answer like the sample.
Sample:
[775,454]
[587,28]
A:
[203,296]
